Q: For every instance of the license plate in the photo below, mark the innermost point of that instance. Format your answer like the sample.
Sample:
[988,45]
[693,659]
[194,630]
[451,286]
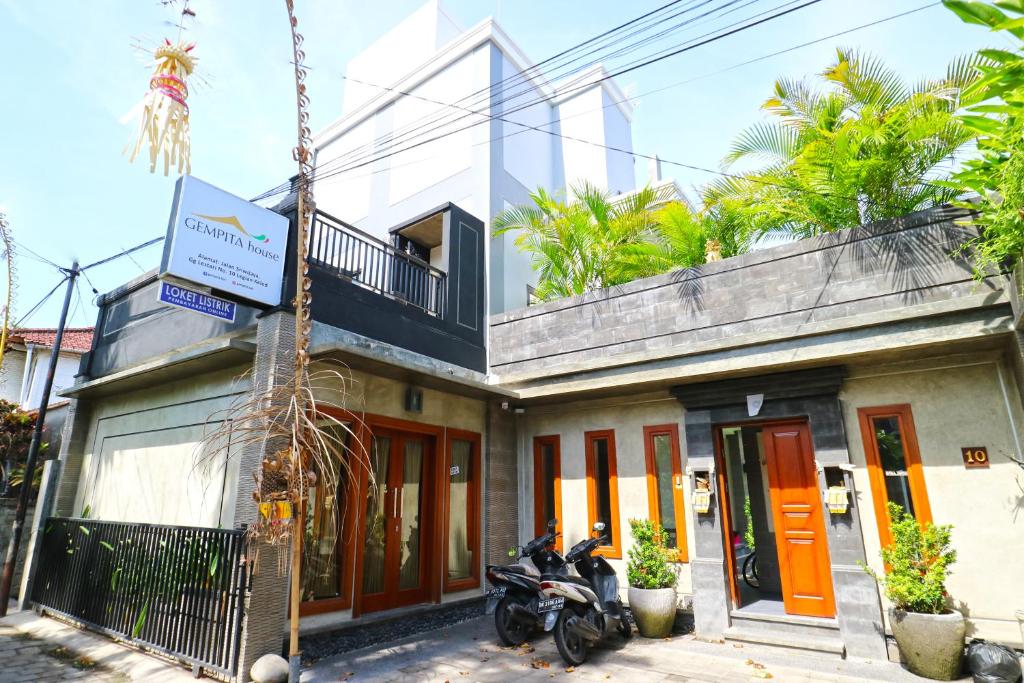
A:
[550,605]
[498,592]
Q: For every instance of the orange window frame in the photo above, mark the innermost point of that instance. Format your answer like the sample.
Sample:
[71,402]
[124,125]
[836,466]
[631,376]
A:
[539,523]
[614,550]
[473,511]
[876,475]
[653,500]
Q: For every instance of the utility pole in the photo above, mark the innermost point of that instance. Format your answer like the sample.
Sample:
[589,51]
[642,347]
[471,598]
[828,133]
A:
[33,448]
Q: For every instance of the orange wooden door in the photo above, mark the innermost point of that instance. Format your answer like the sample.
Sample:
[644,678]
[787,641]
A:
[799,525]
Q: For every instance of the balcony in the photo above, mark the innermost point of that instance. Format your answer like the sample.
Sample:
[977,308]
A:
[423,292]
[348,253]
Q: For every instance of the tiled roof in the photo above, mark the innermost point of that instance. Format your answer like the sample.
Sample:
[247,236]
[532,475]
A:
[75,338]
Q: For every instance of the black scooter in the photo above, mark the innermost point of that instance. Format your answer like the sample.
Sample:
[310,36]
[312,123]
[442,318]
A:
[515,596]
[589,606]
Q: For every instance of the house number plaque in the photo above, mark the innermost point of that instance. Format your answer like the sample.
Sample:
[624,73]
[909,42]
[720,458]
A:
[975,456]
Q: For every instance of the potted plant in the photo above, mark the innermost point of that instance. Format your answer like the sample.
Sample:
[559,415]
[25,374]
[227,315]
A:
[929,633]
[652,580]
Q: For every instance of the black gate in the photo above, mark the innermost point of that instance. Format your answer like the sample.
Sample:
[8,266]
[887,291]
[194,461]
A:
[176,590]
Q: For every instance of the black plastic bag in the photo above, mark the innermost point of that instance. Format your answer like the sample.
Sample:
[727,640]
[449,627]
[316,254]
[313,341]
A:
[991,663]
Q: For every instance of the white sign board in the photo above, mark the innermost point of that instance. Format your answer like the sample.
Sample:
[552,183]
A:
[218,240]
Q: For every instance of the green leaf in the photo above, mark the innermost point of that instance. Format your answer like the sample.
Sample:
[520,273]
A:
[114,578]
[1012,5]
[84,530]
[1001,56]
[141,620]
[107,546]
[975,12]
[982,124]
[1010,25]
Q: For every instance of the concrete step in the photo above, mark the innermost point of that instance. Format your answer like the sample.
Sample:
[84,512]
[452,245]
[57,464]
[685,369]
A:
[785,623]
[824,646]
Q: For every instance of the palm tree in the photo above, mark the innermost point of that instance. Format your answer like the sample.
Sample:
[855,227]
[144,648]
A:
[866,148]
[679,238]
[575,244]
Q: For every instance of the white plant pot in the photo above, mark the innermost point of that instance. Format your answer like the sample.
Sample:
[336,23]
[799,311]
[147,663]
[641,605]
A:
[654,610]
[932,645]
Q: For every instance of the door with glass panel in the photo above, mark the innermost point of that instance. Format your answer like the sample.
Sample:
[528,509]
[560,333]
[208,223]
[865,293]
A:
[394,536]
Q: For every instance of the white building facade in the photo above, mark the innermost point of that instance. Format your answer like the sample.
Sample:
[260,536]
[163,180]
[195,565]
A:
[433,114]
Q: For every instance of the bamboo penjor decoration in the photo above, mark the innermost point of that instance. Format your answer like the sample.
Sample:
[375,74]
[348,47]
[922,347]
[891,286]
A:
[163,123]
[303,325]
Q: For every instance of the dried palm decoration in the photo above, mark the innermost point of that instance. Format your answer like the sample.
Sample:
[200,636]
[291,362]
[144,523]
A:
[8,258]
[163,121]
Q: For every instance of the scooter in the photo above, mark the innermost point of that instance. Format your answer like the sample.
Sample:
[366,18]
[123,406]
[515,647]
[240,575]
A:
[589,607]
[515,596]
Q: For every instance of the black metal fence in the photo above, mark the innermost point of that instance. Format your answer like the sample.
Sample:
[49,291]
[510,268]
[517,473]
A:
[176,590]
[366,261]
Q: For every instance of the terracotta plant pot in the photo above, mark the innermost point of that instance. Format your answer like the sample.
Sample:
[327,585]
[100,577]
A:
[654,610]
[932,645]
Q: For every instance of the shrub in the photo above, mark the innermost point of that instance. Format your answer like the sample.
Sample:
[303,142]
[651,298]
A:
[650,559]
[916,564]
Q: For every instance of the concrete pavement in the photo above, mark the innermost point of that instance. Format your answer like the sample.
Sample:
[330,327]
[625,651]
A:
[470,652]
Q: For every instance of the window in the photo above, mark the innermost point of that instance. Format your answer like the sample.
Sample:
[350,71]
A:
[326,578]
[665,484]
[894,464]
[462,541]
[603,489]
[547,485]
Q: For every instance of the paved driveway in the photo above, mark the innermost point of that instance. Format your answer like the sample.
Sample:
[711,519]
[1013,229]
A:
[470,652]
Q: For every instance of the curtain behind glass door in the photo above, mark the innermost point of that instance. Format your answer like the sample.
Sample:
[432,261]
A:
[376,516]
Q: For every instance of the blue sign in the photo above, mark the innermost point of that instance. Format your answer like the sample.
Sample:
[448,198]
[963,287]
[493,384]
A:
[182,297]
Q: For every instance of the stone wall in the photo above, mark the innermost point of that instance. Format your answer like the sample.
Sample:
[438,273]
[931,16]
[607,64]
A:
[894,270]
[7,508]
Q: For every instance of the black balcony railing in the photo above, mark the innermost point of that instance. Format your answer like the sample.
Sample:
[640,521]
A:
[175,590]
[368,262]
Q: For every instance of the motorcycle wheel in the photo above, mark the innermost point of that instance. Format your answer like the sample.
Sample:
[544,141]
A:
[572,647]
[510,631]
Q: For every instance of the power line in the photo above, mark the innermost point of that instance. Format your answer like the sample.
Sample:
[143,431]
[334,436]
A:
[542,129]
[38,257]
[527,74]
[526,129]
[391,140]
[629,68]
[41,302]
[560,92]
[123,252]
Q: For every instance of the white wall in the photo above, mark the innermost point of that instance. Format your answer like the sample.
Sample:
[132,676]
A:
[956,402]
[582,118]
[398,52]
[570,421]
[480,167]
[11,375]
[145,460]
[27,390]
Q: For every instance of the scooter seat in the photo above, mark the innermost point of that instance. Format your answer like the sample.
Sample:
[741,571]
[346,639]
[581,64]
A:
[566,579]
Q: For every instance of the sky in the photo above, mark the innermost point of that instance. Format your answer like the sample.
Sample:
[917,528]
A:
[72,72]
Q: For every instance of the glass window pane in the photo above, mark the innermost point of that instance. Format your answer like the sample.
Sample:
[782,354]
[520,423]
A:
[460,551]
[324,513]
[602,486]
[409,507]
[889,438]
[663,476]
[376,527]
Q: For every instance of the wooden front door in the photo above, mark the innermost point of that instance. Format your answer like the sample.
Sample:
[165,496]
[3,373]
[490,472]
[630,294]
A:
[799,525]
[394,554]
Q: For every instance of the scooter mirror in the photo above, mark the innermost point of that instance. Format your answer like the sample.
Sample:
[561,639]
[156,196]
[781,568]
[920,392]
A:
[553,524]
[598,526]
